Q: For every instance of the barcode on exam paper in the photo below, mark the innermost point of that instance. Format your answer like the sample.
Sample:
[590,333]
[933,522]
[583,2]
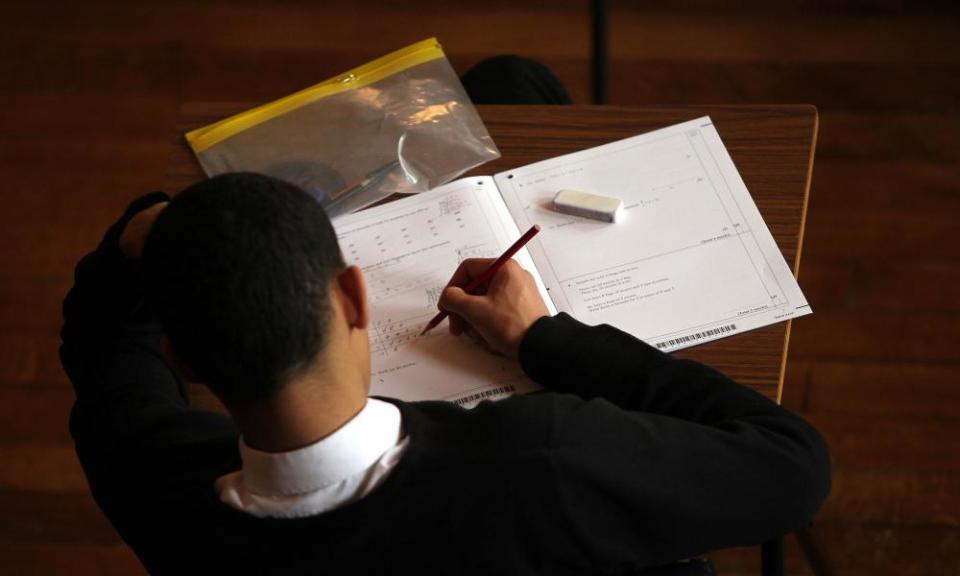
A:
[697,336]
[484,394]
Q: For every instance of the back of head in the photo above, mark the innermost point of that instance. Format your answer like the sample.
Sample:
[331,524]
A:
[238,268]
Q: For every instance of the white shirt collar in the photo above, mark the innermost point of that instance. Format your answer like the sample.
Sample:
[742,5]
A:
[351,449]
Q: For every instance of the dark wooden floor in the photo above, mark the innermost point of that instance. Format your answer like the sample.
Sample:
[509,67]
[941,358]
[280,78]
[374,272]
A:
[90,94]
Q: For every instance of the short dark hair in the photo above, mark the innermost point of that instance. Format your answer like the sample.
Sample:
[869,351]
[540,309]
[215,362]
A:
[238,269]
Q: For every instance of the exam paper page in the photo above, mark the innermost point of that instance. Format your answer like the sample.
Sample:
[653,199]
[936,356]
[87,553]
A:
[690,261]
[408,250]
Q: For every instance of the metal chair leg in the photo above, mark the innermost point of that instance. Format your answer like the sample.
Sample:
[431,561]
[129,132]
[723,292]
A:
[599,57]
[771,558]
[816,558]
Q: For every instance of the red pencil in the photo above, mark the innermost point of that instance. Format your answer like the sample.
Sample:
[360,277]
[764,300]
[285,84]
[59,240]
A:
[488,273]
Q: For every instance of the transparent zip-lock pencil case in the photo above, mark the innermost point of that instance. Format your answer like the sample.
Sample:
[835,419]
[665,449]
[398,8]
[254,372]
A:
[402,123]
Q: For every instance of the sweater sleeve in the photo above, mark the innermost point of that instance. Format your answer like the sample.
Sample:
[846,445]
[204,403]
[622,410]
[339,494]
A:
[134,432]
[661,459]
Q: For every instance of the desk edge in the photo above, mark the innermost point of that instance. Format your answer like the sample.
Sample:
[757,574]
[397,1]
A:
[796,260]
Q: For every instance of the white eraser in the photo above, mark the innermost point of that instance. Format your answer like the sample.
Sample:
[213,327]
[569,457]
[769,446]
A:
[588,205]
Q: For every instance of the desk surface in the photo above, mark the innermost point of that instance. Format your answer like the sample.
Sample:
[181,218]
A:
[772,147]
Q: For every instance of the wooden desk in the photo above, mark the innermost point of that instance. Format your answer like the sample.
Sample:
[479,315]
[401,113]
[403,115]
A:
[772,147]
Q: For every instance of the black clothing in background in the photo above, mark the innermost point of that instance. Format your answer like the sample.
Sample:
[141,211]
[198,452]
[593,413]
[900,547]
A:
[513,80]
[634,459]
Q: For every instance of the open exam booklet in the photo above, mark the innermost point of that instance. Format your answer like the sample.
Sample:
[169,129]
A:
[690,261]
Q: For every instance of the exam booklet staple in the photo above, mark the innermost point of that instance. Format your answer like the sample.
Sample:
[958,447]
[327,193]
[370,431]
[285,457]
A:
[690,260]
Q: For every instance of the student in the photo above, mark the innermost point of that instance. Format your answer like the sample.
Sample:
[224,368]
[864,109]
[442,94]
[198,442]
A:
[633,458]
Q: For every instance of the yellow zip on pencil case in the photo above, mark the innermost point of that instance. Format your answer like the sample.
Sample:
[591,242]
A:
[400,123]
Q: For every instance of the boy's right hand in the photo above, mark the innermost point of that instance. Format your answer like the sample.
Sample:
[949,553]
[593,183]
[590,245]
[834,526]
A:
[500,313]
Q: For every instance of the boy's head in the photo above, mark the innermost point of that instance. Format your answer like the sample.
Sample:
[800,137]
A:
[241,270]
